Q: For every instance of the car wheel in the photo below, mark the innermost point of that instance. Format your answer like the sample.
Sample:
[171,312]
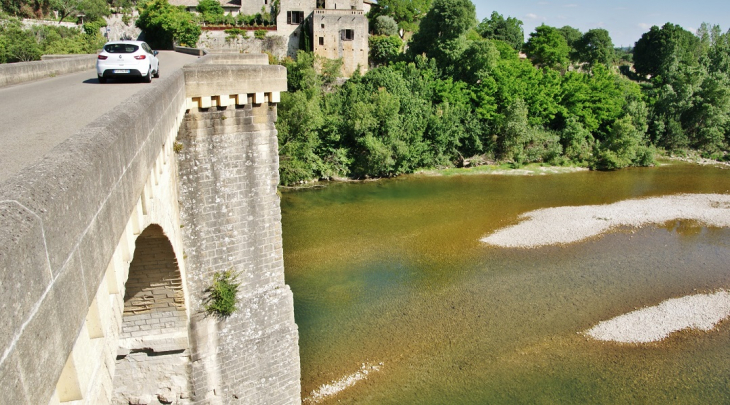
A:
[102,80]
[157,72]
[148,78]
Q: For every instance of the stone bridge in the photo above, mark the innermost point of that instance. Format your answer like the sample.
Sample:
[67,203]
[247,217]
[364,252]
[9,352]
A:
[109,245]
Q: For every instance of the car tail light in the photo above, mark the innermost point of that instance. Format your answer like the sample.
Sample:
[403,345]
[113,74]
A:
[101,57]
[140,57]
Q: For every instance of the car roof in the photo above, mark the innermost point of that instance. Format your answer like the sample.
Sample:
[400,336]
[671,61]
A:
[125,42]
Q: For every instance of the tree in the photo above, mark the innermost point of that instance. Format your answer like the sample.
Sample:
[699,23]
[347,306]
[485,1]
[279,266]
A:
[571,35]
[164,24]
[509,30]
[385,25]
[442,30]
[211,10]
[547,47]
[656,49]
[384,49]
[66,8]
[407,13]
[595,47]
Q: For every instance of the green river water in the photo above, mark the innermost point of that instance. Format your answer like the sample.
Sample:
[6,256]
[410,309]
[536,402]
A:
[393,272]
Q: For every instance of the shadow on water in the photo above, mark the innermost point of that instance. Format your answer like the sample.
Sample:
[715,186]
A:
[394,272]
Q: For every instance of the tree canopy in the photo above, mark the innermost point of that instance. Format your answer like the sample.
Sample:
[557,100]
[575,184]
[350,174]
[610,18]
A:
[657,49]
[594,47]
[508,30]
[407,13]
[165,24]
[547,47]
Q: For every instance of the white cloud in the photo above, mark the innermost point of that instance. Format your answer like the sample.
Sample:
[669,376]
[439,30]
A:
[571,5]
[644,26]
[534,17]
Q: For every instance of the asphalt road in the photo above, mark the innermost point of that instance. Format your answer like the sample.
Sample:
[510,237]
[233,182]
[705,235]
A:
[36,116]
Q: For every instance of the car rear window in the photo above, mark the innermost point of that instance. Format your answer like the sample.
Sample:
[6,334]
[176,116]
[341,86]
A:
[121,48]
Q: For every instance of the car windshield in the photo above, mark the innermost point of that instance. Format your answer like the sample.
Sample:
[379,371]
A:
[121,48]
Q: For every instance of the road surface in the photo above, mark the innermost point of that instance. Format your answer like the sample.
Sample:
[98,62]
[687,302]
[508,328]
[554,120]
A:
[36,116]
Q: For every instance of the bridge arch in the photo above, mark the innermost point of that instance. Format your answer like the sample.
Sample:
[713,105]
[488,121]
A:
[153,358]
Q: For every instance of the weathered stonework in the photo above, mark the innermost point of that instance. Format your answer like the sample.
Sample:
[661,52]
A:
[153,360]
[228,170]
[92,328]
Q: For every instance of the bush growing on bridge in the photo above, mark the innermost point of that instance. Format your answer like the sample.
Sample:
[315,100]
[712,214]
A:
[222,299]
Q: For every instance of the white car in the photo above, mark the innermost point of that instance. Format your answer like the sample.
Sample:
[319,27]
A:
[127,59]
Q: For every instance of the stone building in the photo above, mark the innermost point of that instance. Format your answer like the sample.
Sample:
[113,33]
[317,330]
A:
[334,28]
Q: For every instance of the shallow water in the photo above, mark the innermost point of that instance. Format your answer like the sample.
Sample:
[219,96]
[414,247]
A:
[393,272]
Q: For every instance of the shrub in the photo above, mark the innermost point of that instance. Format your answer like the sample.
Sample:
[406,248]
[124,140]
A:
[222,299]
[260,34]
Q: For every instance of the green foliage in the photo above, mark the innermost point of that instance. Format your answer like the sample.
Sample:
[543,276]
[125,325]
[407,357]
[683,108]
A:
[210,8]
[658,49]
[509,30]
[18,44]
[236,32]
[260,34]
[595,47]
[385,25]
[164,24]
[548,48]
[572,36]
[406,13]
[221,300]
[384,49]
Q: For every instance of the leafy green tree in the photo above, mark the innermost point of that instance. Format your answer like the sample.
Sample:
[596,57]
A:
[572,36]
[656,50]
[547,47]
[407,13]
[509,30]
[442,34]
[385,25]
[384,49]
[594,47]
[164,24]
[211,10]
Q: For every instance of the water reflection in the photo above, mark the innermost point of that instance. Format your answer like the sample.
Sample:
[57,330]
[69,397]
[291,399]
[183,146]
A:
[393,272]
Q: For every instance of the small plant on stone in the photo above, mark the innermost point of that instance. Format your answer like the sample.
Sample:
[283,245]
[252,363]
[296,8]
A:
[221,299]
[177,147]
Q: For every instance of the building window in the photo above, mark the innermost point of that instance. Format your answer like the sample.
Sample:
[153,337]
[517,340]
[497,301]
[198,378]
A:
[321,41]
[347,35]
[320,4]
[294,17]
[322,26]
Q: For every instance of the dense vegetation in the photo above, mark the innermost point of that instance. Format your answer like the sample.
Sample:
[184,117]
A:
[462,94]
[19,44]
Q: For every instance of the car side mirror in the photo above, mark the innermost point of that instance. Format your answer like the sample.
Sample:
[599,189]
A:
[155,53]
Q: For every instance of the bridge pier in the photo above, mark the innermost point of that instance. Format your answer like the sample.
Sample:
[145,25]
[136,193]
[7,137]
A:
[228,169]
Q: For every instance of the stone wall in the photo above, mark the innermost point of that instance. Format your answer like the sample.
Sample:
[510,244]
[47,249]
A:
[228,168]
[219,41]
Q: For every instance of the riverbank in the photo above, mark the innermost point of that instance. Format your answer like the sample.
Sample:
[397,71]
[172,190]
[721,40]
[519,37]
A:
[701,312]
[562,225]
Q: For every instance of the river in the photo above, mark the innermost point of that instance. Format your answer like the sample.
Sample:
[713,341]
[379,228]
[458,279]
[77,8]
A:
[390,277]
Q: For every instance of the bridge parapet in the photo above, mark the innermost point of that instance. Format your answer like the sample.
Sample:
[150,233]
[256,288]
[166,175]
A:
[222,80]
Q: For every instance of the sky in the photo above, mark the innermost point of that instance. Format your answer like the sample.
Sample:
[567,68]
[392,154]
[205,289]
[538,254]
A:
[625,20]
